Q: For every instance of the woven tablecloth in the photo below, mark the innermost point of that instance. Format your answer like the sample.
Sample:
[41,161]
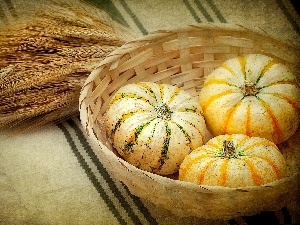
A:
[52,175]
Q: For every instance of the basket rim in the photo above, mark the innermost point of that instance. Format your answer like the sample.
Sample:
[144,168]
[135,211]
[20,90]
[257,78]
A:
[138,42]
[141,41]
[202,26]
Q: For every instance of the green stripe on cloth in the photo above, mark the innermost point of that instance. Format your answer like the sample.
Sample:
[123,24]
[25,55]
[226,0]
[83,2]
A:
[109,7]
[133,17]
[103,172]
[91,176]
[111,183]
[216,11]
[106,178]
[192,11]
[142,207]
[203,11]
[288,15]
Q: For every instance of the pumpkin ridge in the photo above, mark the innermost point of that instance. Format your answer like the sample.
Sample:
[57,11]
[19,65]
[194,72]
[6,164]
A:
[242,141]
[226,67]
[140,128]
[199,131]
[290,82]
[229,115]
[272,164]
[147,89]
[255,175]
[122,96]
[162,92]
[134,136]
[208,102]
[192,125]
[152,133]
[174,95]
[214,81]
[192,109]
[203,171]
[122,119]
[248,120]
[187,166]
[186,135]
[165,148]
[258,144]
[265,68]
[288,100]
[223,173]
[277,132]
[178,107]
[242,61]
[212,145]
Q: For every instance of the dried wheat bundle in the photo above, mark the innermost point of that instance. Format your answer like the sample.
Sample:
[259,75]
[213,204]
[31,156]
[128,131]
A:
[44,62]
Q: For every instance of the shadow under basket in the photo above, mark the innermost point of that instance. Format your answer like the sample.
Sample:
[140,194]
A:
[182,57]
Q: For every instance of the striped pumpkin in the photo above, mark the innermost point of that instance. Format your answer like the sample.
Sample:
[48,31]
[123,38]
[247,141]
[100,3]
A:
[154,126]
[252,95]
[234,160]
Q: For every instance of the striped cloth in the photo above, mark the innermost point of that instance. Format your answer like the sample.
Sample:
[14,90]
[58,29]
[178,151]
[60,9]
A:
[53,176]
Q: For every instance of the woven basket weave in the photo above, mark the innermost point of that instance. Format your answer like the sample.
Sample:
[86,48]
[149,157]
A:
[182,57]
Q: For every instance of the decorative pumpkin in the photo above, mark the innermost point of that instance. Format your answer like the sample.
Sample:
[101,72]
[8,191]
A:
[154,126]
[234,160]
[252,95]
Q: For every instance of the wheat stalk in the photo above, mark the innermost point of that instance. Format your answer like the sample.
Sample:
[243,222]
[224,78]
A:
[45,61]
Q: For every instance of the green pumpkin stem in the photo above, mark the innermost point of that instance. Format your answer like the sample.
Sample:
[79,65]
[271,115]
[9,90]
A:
[228,150]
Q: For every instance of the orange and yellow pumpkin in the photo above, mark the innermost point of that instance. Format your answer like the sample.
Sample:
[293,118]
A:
[252,95]
[235,160]
[154,126]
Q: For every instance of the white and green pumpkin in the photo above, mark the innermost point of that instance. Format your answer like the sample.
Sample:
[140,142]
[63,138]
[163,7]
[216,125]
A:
[154,126]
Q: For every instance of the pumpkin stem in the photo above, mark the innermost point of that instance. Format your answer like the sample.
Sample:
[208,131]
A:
[249,89]
[228,150]
[163,111]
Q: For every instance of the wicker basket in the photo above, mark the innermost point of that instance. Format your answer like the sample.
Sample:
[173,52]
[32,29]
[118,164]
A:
[182,57]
